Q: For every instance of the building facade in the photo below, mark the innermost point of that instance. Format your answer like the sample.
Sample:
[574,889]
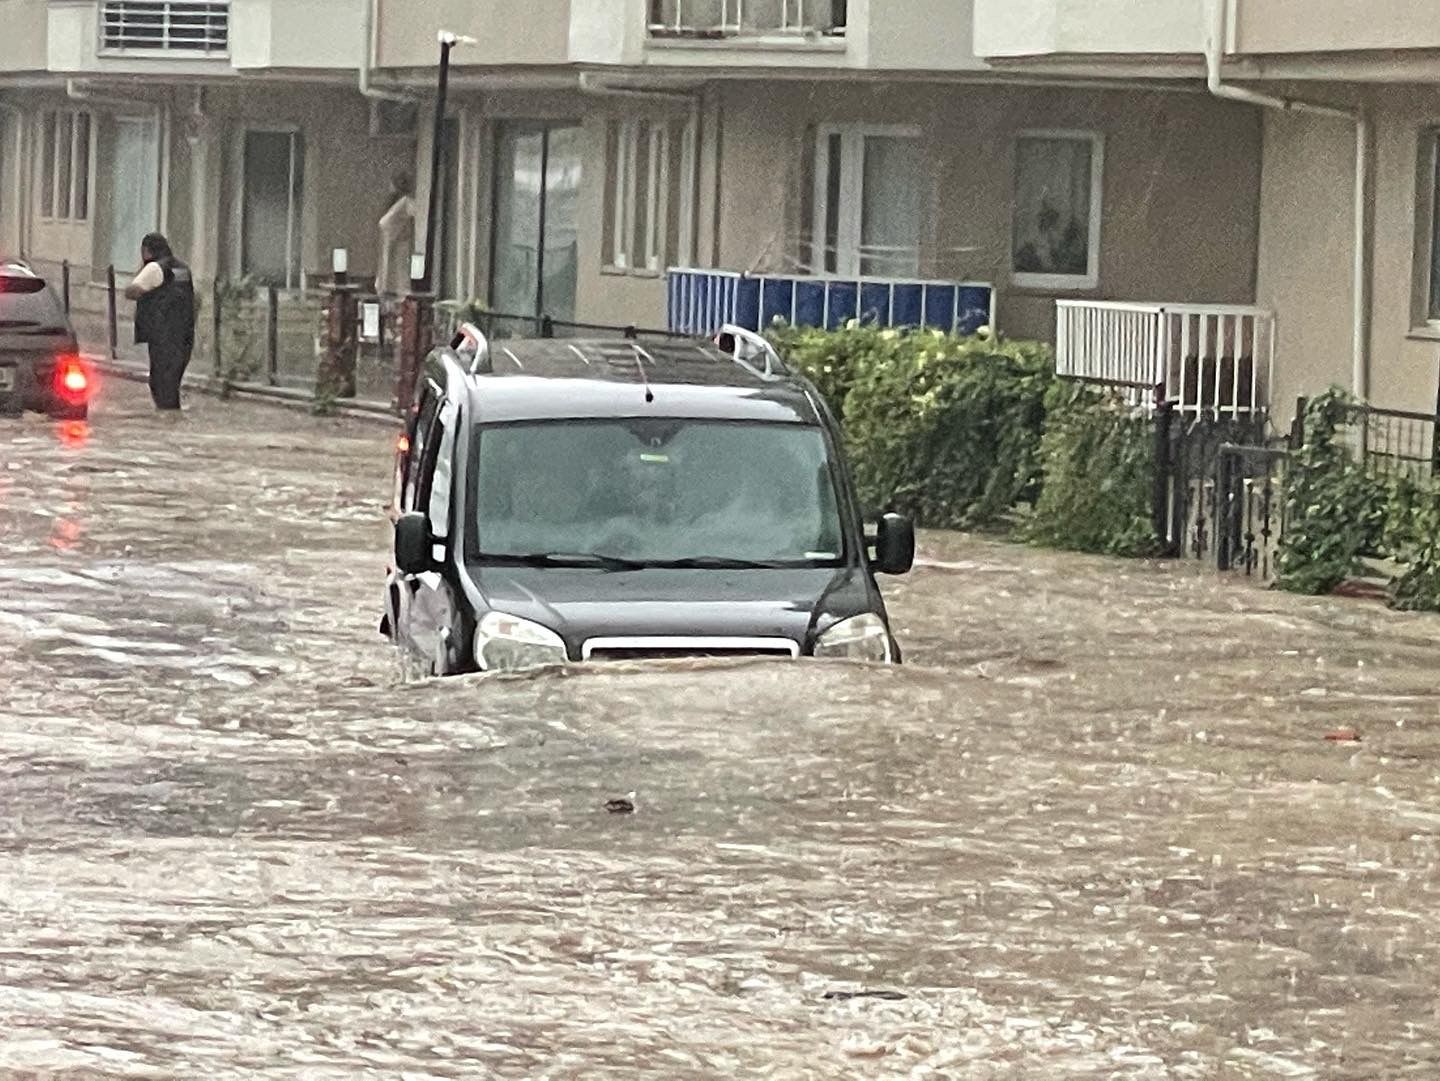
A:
[1053,149]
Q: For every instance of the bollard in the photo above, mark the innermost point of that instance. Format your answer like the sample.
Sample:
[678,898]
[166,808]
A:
[335,377]
[65,284]
[413,344]
[1162,478]
[216,353]
[112,321]
[272,335]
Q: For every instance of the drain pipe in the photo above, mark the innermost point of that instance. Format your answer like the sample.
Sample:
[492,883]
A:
[369,51]
[1214,57]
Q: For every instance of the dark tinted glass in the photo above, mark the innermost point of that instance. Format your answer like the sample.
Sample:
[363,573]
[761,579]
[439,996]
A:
[28,302]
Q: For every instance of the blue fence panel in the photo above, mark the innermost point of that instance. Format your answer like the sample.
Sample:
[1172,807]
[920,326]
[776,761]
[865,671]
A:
[701,301]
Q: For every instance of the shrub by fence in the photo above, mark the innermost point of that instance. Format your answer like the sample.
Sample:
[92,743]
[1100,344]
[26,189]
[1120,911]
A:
[944,428]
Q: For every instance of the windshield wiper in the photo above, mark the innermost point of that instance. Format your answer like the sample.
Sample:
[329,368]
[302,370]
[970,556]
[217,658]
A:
[726,563]
[569,559]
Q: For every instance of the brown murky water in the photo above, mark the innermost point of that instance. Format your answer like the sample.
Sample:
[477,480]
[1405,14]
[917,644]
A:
[1095,830]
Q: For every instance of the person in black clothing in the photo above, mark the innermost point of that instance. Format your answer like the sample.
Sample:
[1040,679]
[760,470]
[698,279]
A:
[164,295]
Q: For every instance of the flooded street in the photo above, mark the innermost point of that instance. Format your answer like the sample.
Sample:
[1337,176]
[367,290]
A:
[1095,829]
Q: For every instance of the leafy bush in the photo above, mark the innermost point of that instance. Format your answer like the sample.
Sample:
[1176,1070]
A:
[940,427]
[1098,460]
[1335,511]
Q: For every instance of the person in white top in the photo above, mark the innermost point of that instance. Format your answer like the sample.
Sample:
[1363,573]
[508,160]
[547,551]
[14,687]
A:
[164,296]
[397,239]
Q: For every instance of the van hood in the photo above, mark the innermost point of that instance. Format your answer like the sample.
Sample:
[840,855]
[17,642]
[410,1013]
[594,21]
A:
[584,603]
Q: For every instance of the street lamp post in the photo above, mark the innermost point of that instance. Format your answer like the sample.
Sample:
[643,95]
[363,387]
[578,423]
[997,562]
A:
[448,41]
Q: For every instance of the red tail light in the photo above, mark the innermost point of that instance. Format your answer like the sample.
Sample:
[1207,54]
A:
[403,444]
[72,380]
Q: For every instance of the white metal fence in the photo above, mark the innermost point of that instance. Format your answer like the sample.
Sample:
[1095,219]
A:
[1215,358]
[186,26]
[731,18]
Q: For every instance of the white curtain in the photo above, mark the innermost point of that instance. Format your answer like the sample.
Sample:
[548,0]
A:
[890,210]
[134,187]
[1052,206]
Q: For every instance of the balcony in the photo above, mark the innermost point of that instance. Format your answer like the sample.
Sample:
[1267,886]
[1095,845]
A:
[22,45]
[1038,29]
[701,301]
[1199,358]
[169,27]
[1327,26]
[712,20]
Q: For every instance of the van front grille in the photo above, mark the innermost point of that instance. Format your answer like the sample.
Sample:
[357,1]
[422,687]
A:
[654,649]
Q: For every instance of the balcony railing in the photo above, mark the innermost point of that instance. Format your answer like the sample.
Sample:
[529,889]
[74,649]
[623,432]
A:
[165,26]
[705,19]
[1215,358]
[701,301]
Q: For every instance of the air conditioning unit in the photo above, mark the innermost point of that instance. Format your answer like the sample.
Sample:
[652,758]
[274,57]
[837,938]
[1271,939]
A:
[394,119]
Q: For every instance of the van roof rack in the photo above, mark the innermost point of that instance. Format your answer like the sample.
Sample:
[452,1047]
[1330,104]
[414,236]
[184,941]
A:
[746,347]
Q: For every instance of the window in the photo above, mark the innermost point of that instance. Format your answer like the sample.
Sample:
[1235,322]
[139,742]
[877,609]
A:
[1428,308]
[729,18]
[1056,238]
[274,180]
[133,186]
[534,260]
[65,165]
[867,202]
[649,182]
[189,26]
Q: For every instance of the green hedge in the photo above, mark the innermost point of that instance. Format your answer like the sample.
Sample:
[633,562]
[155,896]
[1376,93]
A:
[1098,465]
[940,427]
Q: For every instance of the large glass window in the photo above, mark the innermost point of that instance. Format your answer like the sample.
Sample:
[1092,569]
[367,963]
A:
[1056,228]
[274,180]
[657,491]
[65,165]
[649,181]
[134,187]
[868,184]
[534,263]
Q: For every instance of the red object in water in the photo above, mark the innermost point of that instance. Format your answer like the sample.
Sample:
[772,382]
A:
[72,380]
[1343,735]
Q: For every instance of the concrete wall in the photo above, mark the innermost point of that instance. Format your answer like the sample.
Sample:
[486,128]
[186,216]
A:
[1307,251]
[1292,26]
[1181,185]
[22,44]
[507,31]
[296,34]
[1014,28]
[933,35]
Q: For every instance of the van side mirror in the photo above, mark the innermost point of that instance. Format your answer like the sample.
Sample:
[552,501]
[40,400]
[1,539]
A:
[894,545]
[412,543]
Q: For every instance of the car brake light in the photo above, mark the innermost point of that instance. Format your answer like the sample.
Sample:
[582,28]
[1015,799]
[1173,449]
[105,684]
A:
[403,444]
[72,380]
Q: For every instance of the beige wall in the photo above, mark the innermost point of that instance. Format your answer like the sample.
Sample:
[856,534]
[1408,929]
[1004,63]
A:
[1307,252]
[296,34]
[1180,193]
[507,31]
[1285,26]
[1014,28]
[22,42]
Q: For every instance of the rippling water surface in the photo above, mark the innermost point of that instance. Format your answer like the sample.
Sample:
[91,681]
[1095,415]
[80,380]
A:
[1095,830]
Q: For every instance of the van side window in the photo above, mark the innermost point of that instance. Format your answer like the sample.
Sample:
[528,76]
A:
[441,448]
[417,464]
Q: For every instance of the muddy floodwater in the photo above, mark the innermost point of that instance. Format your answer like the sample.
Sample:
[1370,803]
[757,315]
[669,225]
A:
[1094,830]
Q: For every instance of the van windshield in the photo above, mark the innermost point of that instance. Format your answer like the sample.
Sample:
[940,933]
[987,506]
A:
[657,492]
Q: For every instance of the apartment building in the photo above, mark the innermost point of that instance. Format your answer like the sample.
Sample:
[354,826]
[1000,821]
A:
[1048,150]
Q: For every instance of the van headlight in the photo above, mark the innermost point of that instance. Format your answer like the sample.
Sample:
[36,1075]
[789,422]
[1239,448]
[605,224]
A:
[861,638]
[506,643]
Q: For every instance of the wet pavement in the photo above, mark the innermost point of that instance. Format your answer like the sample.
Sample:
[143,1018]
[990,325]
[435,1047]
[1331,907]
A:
[1094,830]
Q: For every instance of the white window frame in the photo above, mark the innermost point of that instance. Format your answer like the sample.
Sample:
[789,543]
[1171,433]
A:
[1427,221]
[1064,282]
[49,132]
[652,137]
[850,227]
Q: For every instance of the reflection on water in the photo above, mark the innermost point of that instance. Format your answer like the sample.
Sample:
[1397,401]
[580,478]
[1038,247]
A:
[73,434]
[1096,832]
